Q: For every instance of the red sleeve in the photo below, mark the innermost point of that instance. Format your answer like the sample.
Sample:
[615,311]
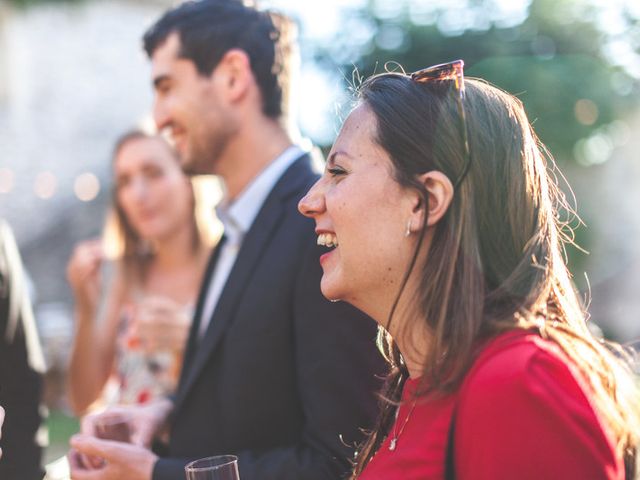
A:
[523,415]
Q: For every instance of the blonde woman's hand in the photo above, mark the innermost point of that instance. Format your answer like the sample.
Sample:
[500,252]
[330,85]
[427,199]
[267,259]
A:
[145,421]
[161,323]
[83,273]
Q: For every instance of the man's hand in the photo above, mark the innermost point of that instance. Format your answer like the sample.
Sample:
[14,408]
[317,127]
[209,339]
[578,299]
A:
[145,420]
[121,460]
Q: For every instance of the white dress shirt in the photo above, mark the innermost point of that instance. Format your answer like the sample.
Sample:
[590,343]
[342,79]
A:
[237,217]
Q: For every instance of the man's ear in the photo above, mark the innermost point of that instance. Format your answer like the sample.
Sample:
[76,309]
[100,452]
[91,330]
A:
[233,74]
[440,193]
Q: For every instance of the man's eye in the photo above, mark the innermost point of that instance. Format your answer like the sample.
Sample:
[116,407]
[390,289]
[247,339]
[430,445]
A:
[163,88]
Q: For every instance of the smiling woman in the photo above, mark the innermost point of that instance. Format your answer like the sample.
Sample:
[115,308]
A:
[133,316]
[364,202]
[446,229]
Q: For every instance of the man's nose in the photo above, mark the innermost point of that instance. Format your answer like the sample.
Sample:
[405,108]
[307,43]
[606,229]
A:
[160,115]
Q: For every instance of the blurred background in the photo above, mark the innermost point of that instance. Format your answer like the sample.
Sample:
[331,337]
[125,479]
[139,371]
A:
[73,77]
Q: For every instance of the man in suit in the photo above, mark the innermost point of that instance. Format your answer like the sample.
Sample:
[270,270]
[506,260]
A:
[273,372]
[21,369]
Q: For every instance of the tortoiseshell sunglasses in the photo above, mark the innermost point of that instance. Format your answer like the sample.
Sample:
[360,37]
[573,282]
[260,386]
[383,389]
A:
[450,71]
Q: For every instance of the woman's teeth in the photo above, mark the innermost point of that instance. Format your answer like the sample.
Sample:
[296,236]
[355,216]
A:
[328,240]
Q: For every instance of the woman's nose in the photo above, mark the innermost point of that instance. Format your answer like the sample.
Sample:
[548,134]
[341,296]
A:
[313,202]
[138,189]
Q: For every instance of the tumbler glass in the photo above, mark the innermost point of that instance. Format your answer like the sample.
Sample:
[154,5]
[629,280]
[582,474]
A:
[113,426]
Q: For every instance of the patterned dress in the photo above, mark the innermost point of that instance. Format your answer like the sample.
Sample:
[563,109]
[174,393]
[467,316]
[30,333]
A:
[141,376]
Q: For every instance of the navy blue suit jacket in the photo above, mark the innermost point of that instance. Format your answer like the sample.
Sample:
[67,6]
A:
[282,378]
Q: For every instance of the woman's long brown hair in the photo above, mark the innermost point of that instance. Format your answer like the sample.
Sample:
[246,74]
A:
[496,260]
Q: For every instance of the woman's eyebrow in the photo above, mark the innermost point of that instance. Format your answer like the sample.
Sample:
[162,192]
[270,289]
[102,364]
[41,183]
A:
[332,157]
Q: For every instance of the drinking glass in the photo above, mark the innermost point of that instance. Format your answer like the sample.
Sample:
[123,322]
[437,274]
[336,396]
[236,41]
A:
[113,426]
[220,467]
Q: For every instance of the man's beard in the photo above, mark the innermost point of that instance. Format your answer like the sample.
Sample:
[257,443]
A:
[202,159]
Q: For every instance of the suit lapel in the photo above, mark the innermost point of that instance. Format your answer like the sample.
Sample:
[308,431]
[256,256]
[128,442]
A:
[192,342]
[253,247]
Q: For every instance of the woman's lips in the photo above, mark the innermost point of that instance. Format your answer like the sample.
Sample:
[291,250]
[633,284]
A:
[325,256]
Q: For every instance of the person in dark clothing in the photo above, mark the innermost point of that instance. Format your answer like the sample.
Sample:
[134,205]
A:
[1,422]
[21,369]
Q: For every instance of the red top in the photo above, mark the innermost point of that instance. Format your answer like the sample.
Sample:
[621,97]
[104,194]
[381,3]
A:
[522,412]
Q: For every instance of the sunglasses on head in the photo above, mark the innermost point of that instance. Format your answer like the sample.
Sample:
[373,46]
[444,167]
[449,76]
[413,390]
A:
[452,71]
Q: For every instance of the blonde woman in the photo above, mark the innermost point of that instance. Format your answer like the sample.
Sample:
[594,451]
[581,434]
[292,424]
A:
[133,314]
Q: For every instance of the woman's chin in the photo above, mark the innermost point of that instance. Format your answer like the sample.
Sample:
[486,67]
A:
[329,290]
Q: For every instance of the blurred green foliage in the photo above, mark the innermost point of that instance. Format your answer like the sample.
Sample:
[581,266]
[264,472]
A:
[61,426]
[28,3]
[555,55]
[569,61]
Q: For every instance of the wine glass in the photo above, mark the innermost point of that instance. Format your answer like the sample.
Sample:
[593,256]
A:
[220,467]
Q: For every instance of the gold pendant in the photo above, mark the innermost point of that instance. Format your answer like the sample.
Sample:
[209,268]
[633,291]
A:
[392,445]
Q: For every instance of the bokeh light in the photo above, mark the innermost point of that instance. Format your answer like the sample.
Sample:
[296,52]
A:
[6,180]
[45,185]
[586,111]
[86,186]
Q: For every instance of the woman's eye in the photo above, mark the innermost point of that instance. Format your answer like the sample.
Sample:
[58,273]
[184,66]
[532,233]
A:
[336,171]
[122,183]
[153,172]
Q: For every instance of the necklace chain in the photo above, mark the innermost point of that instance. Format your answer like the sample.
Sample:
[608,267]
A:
[394,435]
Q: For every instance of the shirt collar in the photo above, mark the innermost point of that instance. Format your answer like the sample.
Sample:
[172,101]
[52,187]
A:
[237,216]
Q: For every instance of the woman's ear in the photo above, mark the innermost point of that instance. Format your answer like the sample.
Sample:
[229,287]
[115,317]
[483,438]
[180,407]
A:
[440,193]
